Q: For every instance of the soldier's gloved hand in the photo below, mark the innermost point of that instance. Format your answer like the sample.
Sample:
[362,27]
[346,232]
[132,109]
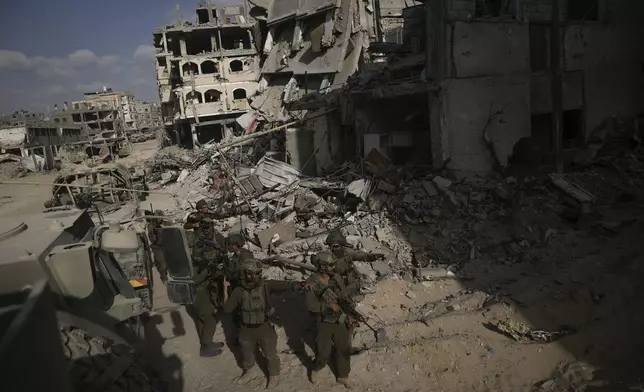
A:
[220,267]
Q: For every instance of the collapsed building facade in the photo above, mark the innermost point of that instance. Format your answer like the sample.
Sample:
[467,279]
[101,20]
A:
[206,71]
[462,84]
[105,111]
[39,142]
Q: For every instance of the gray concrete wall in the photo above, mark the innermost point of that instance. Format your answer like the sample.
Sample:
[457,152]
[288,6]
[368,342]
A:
[466,109]
[611,58]
[486,49]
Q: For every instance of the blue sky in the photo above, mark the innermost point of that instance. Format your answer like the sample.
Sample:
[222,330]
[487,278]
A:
[54,51]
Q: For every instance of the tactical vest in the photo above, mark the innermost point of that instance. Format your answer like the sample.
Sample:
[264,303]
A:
[254,306]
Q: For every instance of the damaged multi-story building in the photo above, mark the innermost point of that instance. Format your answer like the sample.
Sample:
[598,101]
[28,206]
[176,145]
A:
[206,71]
[310,48]
[104,111]
[480,95]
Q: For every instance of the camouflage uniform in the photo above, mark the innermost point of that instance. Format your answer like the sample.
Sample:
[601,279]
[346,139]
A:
[334,329]
[207,261]
[251,301]
[344,264]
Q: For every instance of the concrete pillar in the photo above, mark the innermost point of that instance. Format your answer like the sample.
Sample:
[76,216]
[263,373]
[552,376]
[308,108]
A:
[33,157]
[165,43]
[24,152]
[182,45]
[49,157]
[300,148]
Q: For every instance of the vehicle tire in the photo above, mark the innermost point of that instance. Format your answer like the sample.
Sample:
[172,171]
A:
[92,362]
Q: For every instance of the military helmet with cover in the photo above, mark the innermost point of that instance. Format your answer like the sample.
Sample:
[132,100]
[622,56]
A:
[201,204]
[251,271]
[325,261]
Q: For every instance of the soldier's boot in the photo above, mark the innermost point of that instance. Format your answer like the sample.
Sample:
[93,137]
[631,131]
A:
[314,377]
[247,376]
[211,349]
[345,381]
[272,382]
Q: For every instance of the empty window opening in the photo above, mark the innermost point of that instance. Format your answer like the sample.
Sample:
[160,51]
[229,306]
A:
[174,46]
[198,42]
[572,128]
[582,10]
[203,16]
[236,66]
[56,120]
[494,8]
[194,97]
[239,93]
[187,68]
[208,67]
[161,61]
[212,96]
[539,47]
[211,132]
[235,38]
[76,117]
[90,117]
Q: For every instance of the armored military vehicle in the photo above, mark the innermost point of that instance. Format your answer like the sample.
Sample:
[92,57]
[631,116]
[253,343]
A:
[100,278]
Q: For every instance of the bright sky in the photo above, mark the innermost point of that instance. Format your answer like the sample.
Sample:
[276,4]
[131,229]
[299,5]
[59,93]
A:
[54,51]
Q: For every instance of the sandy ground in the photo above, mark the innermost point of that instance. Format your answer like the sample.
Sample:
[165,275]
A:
[589,282]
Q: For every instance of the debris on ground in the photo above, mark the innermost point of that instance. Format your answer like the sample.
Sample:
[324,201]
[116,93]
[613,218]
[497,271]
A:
[524,334]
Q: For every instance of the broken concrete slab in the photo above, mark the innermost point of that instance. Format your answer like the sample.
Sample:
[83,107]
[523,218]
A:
[359,188]
[381,268]
[282,232]
[408,199]
[430,189]
[442,183]
[386,187]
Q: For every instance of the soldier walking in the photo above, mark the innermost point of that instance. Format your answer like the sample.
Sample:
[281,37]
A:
[327,291]
[252,300]
[207,260]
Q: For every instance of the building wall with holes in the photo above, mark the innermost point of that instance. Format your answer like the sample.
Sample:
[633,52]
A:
[499,80]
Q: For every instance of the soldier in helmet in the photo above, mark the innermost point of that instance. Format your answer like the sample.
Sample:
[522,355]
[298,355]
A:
[236,255]
[326,291]
[157,251]
[345,258]
[208,262]
[251,299]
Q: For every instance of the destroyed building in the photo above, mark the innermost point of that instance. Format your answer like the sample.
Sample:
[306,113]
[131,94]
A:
[466,91]
[39,143]
[105,110]
[310,49]
[492,65]
[206,71]
[147,115]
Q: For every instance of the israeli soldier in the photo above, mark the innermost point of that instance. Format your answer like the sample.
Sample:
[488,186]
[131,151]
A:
[236,255]
[252,300]
[345,257]
[207,260]
[327,291]
[157,251]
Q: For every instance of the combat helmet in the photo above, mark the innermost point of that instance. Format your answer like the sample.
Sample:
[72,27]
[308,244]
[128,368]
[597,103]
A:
[201,204]
[251,270]
[325,261]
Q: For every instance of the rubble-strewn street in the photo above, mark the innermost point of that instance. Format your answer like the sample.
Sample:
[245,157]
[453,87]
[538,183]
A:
[451,192]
